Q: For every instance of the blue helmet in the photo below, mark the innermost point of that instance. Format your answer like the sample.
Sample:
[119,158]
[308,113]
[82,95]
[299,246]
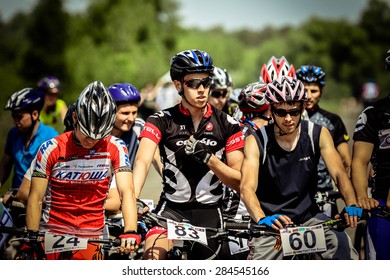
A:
[49,83]
[124,93]
[311,74]
[27,99]
[190,61]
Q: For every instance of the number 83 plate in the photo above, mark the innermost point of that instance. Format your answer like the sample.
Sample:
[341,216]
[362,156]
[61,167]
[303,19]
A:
[186,231]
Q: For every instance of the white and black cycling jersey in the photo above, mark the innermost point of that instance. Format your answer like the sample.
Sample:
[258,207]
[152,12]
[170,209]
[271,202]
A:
[186,181]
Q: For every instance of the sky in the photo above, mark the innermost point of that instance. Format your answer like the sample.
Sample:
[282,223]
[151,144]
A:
[235,14]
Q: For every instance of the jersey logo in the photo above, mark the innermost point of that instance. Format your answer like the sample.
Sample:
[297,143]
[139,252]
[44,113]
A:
[76,175]
[205,141]
[209,126]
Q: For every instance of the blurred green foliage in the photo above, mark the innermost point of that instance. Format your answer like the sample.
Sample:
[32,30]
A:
[133,41]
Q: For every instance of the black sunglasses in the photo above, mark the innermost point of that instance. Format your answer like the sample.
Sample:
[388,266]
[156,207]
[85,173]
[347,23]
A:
[218,94]
[282,113]
[195,83]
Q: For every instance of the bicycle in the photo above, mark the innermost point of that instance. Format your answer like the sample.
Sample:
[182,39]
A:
[47,243]
[185,235]
[326,201]
[297,242]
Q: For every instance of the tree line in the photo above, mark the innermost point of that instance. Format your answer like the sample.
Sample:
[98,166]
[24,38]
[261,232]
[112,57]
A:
[133,41]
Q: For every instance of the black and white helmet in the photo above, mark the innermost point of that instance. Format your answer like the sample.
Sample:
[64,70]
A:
[95,110]
[27,99]
[221,79]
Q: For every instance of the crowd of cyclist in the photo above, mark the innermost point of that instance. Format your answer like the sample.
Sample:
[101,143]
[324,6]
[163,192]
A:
[264,152]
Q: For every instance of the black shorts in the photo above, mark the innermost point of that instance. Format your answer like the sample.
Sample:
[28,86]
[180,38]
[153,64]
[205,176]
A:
[202,217]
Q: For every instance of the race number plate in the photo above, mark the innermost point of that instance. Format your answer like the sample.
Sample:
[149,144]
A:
[238,245]
[55,243]
[186,231]
[303,240]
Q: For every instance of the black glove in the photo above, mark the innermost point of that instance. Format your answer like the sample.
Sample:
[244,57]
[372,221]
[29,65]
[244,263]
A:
[197,150]
[32,236]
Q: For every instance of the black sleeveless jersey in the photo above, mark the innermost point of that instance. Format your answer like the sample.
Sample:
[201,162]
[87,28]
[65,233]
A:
[185,181]
[373,126]
[287,180]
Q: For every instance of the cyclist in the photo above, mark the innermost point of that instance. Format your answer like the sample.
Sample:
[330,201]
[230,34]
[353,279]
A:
[313,77]
[54,109]
[24,139]
[279,173]
[275,68]
[256,114]
[24,189]
[220,89]
[200,147]
[371,143]
[74,170]
[128,127]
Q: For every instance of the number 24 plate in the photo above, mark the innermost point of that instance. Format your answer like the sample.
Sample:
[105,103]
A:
[55,243]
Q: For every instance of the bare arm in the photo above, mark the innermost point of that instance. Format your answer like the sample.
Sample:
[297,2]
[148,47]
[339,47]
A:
[335,167]
[229,173]
[250,171]
[23,191]
[157,162]
[343,150]
[34,202]
[249,182]
[113,201]
[24,188]
[125,187]
[143,159]
[361,156]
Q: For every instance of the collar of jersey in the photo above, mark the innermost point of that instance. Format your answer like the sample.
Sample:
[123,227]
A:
[187,113]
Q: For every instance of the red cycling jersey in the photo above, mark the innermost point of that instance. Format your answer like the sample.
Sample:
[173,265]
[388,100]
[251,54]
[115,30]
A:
[78,182]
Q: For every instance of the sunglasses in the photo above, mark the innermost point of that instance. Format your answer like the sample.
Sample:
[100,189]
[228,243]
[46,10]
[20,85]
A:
[282,113]
[218,94]
[196,83]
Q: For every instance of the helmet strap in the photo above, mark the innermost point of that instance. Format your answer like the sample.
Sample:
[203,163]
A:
[75,139]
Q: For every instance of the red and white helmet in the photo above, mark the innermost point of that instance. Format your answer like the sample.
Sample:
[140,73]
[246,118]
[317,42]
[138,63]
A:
[252,98]
[276,68]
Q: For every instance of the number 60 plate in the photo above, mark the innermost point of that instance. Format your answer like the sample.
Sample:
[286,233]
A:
[302,240]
